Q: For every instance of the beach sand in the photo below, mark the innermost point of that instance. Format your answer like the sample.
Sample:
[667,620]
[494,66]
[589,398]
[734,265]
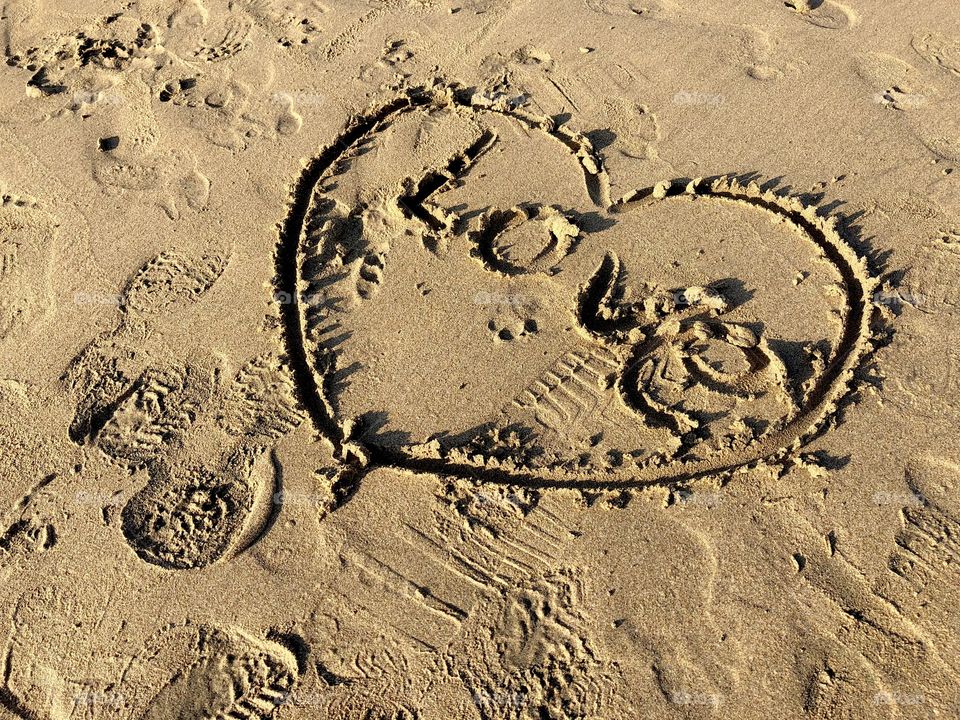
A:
[495,360]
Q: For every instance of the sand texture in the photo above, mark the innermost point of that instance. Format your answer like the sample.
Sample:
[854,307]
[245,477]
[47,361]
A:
[479,360]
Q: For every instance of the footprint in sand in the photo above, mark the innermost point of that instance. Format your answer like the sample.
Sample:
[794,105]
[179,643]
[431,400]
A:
[205,671]
[861,645]
[129,158]
[939,49]
[28,245]
[894,83]
[840,683]
[923,368]
[210,491]
[30,464]
[185,670]
[195,32]
[527,653]
[941,136]
[229,111]
[219,85]
[193,59]
[398,60]
[72,678]
[826,14]
[102,375]
[62,66]
[898,85]
[170,179]
[926,562]
[631,8]
[643,368]
[26,530]
[197,436]
[292,24]
[635,126]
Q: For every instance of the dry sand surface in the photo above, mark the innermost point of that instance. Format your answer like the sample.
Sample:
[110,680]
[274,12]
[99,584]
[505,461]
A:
[479,359]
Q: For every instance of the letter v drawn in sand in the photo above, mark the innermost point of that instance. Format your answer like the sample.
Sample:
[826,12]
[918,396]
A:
[481,308]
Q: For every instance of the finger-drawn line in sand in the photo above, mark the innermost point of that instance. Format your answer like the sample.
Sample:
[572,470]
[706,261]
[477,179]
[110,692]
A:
[415,200]
[645,339]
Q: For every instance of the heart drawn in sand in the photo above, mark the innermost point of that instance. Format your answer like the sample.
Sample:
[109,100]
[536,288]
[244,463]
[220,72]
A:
[461,296]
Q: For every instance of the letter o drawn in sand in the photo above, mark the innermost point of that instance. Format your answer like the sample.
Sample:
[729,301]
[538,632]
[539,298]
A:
[461,297]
